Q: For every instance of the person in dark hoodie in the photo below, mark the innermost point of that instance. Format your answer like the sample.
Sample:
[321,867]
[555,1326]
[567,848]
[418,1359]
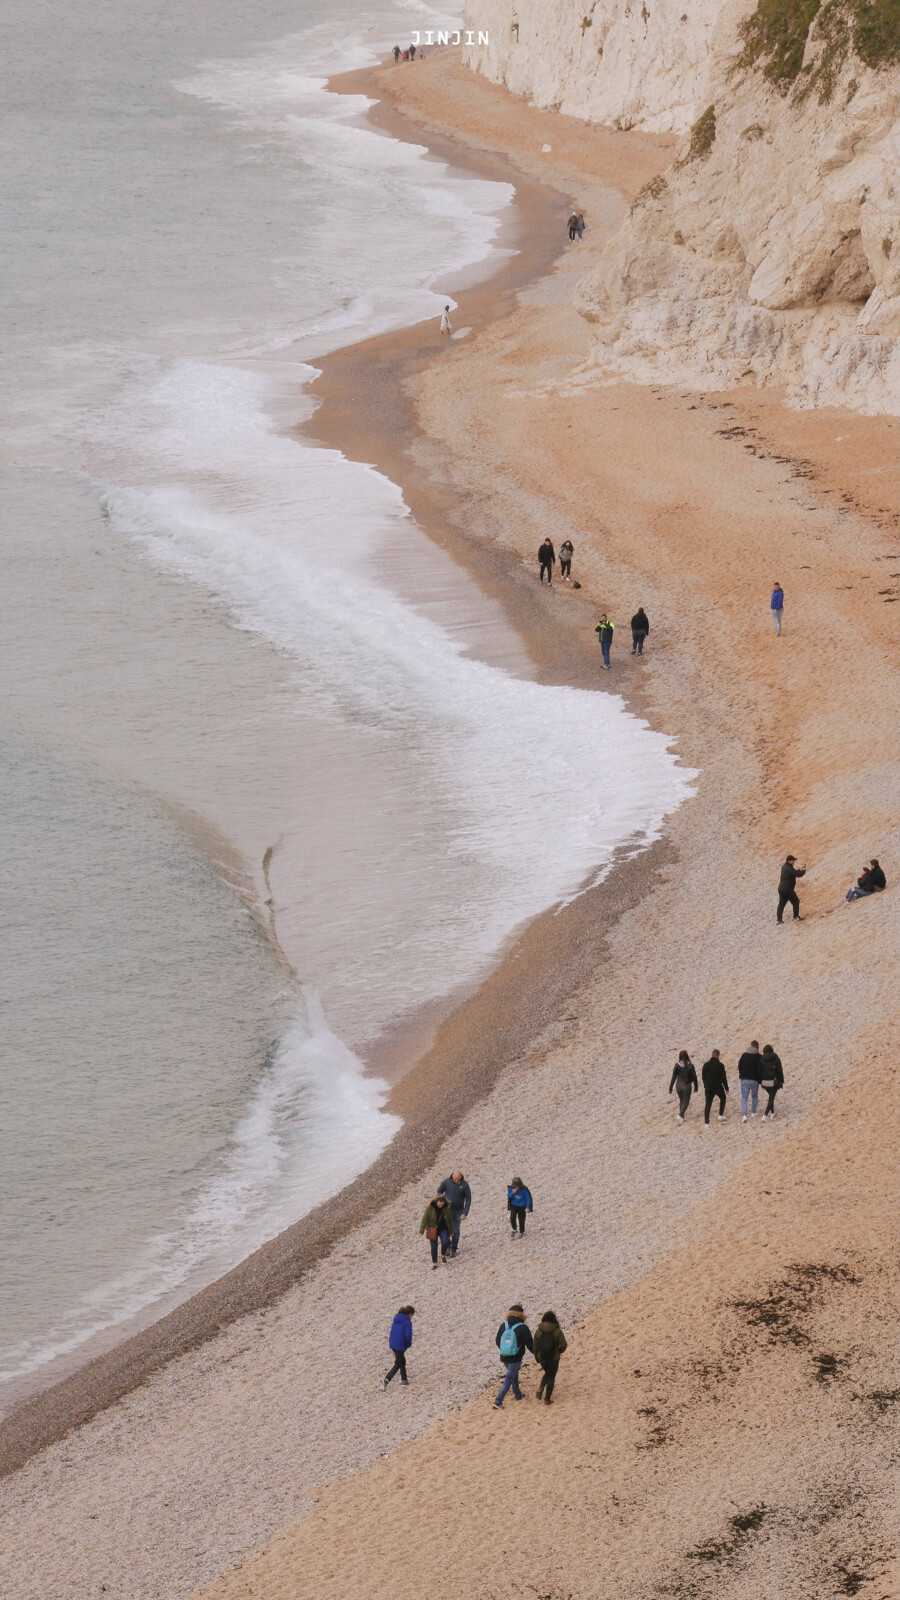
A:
[684,1078]
[787,888]
[872,881]
[399,1341]
[715,1086]
[640,627]
[518,1201]
[549,1344]
[771,1077]
[546,557]
[513,1339]
[437,1226]
[749,1070]
[459,1194]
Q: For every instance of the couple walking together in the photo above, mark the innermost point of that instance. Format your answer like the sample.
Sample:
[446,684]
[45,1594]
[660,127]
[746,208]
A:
[547,1344]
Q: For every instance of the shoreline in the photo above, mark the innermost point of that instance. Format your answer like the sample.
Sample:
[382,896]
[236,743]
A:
[470,1038]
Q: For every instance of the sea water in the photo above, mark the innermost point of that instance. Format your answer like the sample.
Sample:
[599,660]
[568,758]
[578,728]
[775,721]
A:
[211,660]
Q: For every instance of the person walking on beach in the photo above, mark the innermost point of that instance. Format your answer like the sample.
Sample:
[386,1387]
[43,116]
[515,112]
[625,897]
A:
[749,1070]
[549,1345]
[579,225]
[518,1201]
[777,605]
[513,1339]
[573,225]
[399,1341]
[457,1192]
[872,881]
[396,53]
[640,627]
[771,1077]
[715,1086]
[437,1225]
[445,321]
[787,888]
[684,1078]
[412,52]
[604,631]
[547,557]
[566,552]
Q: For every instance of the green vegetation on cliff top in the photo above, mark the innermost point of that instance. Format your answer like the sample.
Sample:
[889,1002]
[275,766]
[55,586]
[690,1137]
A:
[778,31]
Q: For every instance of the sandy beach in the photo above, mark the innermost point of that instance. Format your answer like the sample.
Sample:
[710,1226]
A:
[726,1415]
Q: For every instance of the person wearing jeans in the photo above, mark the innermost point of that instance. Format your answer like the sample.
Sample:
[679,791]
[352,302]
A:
[604,631]
[515,1323]
[459,1195]
[750,1072]
[640,627]
[777,605]
[872,881]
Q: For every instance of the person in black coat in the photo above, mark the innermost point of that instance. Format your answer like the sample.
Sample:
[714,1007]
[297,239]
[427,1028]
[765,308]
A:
[640,627]
[872,881]
[546,557]
[715,1085]
[684,1077]
[749,1069]
[787,888]
[771,1077]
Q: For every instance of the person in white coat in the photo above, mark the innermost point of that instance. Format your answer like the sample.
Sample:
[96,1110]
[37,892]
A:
[445,320]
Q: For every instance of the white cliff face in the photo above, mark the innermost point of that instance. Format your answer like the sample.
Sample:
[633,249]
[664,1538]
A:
[631,63]
[770,253]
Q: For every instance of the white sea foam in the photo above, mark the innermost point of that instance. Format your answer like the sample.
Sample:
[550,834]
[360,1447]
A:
[314,1121]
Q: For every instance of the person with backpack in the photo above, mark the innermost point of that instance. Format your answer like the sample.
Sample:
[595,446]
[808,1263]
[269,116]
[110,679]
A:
[872,881]
[771,1077]
[513,1339]
[604,631]
[684,1078]
[547,557]
[640,627]
[437,1226]
[749,1071]
[518,1201]
[459,1194]
[399,1341]
[566,552]
[787,888]
[549,1344]
[715,1086]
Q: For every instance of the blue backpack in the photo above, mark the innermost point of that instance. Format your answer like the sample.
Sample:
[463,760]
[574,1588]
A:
[509,1341]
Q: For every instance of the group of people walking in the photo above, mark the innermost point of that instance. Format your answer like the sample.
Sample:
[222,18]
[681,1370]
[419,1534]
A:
[406,55]
[447,1210]
[576,225]
[757,1069]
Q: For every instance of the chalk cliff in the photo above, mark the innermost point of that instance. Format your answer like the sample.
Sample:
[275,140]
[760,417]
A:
[770,251]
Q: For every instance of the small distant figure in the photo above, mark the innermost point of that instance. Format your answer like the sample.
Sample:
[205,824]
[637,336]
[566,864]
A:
[684,1078]
[640,627]
[396,53]
[604,631]
[518,1201]
[749,1070]
[547,557]
[437,1226]
[445,321]
[457,1191]
[405,56]
[566,552]
[787,888]
[412,52]
[573,225]
[715,1086]
[513,1339]
[777,605]
[872,881]
[771,1077]
[579,225]
[399,1341]
[549,1345]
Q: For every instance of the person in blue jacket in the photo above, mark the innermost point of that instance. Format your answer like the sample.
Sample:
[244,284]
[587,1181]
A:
[400,1339]
[777,605]
[518,1201]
